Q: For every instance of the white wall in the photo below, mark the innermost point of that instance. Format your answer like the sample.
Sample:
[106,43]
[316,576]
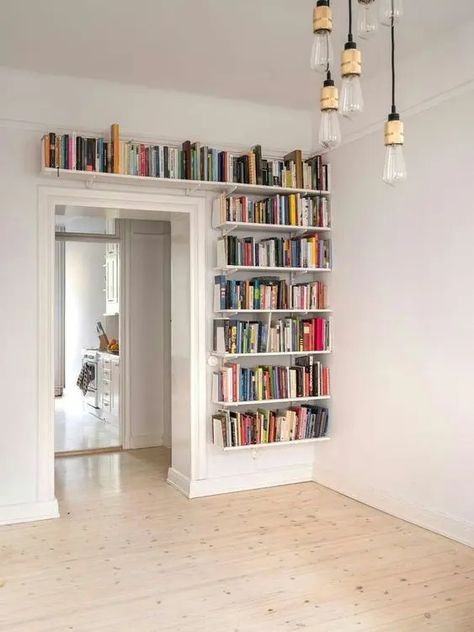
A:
[32,105]
[402,291]
[146,249]
[84,303]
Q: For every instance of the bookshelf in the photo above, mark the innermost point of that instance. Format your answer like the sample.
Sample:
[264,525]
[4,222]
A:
[262,402]
[257,446]
[239,425]
[192,186]
[284,203]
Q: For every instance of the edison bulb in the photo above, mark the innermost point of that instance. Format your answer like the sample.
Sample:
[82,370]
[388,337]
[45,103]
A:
[394,170]
[367,21]
[321,53]
[329,129]
[351,100]
[389,9]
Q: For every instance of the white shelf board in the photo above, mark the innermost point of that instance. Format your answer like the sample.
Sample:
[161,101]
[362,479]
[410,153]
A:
[274,443]
[260,402]
[195,185]
[268,353]
[274,311]
[271,227]
[229,268]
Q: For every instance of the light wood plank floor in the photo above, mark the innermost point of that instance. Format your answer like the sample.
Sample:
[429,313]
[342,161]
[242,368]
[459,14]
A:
[131,554]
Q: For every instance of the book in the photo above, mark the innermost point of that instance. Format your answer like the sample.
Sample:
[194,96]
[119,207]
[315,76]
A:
[236,429]
[114,139]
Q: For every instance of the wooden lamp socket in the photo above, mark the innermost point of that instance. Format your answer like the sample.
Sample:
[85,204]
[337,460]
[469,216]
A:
[322,19]
[393,133]
[351,59]
[329,98]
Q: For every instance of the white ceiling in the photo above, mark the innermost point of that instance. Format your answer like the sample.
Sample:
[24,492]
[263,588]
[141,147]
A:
[249,49]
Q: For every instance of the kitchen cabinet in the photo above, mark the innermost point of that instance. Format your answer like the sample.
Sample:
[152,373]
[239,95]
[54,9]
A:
[109,387]
[112,279]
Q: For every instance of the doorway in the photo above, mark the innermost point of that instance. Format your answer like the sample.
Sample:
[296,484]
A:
[86,344]
[188,392]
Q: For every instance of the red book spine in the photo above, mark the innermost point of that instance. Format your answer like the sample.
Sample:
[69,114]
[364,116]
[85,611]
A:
[319,334]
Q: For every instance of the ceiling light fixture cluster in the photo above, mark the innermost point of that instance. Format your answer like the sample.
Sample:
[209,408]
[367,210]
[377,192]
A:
[351,101]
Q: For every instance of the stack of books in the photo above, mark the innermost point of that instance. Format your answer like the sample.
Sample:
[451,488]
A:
[281,210]
[232,429]
[306,251]
[267,293]
[189,161]
[286,335]
[233,383]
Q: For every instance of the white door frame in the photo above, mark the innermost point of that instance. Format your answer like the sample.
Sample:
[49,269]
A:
[121,197]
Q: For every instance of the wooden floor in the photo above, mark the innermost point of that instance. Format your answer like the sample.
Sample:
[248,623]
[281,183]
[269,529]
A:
[131,554]
[76,428]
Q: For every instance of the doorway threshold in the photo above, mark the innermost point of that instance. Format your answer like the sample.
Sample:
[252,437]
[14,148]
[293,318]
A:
[89,452]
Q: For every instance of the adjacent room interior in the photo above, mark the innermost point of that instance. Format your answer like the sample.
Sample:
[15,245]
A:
[237,366]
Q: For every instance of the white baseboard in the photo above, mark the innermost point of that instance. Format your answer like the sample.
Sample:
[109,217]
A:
[440,523]
[179,481]
[28,512]
[239,482]
[144,441]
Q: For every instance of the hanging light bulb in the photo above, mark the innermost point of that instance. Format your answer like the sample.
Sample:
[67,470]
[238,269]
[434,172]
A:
[329,129]
[352,101]
[394,168]
[367,22]
[389,9]
[321,53]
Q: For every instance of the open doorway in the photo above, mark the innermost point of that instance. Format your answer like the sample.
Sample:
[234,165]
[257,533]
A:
[113,319]
[87,325]
[188,219]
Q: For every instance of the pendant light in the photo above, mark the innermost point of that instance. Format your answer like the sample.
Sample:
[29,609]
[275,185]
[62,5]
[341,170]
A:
[394,168]
[352,101]
[390,9]
[321,53]
[329,129]
[367,19]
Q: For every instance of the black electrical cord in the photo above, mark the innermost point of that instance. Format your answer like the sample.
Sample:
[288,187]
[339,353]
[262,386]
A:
[349,37]
[392,28]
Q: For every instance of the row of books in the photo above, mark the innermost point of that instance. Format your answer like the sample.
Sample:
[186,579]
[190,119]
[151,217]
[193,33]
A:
[285,335]
[190,161]
[233,383]
[307,251]
[232,429]
[284,210]
[268,293]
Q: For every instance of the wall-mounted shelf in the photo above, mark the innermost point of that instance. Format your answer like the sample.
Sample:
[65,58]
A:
[233,312]
[230,269]
[255,446]
[260,402]
[190,185]
[262,354]
[277,228]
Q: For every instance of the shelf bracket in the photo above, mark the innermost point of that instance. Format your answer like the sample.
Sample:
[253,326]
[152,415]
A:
[89,183]
[193,190]
[230,190]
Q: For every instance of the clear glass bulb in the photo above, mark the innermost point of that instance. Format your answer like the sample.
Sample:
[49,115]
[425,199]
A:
[394,168]
[321,53]
[329,129]
[389,8]
[367,22]
[351,99]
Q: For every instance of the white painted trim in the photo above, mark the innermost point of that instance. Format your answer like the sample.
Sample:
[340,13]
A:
[289,475]
[122,197]
[136,442]
[179,481]
[400,508]
[28,512]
